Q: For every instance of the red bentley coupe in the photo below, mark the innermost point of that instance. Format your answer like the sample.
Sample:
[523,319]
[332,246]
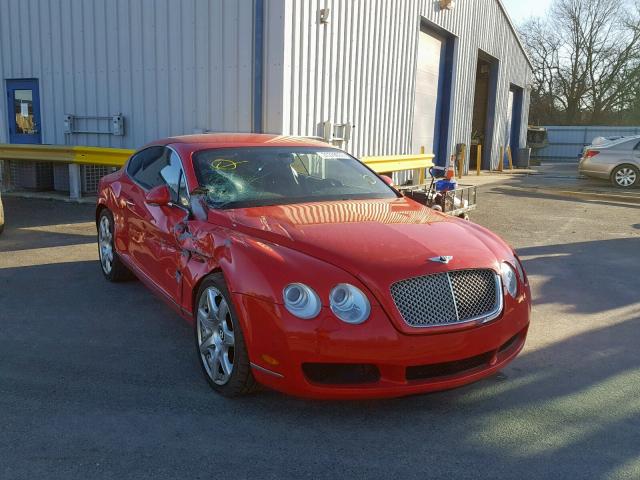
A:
[303,270]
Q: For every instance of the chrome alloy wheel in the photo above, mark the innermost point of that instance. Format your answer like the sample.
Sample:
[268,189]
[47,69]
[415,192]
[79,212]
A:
[625,177]
[105,244]
[216,339]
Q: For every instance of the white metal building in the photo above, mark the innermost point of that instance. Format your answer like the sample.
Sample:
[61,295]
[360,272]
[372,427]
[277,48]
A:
[387,76]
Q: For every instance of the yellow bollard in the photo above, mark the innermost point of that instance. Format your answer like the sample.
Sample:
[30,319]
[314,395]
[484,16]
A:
[501,161]
[509,157]
[478,158]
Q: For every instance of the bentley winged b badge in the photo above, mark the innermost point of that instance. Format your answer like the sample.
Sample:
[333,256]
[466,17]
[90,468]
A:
[441,259]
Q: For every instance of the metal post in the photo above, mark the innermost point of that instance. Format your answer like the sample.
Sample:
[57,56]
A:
[422,173]
[478,158]
[461,159]
[75,183]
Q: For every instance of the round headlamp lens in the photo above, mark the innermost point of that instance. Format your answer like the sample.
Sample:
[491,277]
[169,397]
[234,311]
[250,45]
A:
[301,300]
[509,279]
[349,304]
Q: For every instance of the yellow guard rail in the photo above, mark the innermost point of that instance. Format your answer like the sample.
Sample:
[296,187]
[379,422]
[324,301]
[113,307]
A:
[107,157]
[116,157]
[397,163]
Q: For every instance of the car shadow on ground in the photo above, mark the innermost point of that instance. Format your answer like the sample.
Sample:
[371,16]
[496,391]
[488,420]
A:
[30,224]
[96,376]
[600,266]
[104,371]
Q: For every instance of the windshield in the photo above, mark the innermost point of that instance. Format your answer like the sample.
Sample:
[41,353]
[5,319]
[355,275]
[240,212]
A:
[258,176]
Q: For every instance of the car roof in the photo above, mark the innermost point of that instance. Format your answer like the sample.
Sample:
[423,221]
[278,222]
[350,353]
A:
[604,142]
[218,140]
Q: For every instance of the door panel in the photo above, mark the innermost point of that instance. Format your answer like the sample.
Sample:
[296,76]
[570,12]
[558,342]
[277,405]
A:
[23,101]
[152,244]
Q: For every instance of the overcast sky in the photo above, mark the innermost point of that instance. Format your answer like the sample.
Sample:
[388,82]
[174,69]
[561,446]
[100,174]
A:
[520,10]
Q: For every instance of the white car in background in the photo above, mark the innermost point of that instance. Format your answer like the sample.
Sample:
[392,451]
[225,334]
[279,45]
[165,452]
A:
[616,160]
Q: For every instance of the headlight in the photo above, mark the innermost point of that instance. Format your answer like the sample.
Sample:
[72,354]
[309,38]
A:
[520,270]
[349,304]
[301,300]
[509,279]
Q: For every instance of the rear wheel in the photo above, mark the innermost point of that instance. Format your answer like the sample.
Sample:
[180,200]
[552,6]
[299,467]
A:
[219,340]
[112,267]
[625,176]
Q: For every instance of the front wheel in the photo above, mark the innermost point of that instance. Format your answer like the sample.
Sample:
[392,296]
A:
[625,176]
[220,344]
[112,267]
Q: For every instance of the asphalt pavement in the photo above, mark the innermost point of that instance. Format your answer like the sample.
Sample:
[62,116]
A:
[100,380]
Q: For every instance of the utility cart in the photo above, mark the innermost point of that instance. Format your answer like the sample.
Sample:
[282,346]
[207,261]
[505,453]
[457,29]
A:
[443,194]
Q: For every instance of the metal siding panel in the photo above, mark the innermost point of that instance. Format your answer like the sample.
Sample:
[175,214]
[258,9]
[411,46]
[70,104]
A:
[278,72]
[379,69]
[216,67]
[168,66]
[245,73]
[167,39]
[201,67]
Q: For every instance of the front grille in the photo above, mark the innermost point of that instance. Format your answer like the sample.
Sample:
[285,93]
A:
[448,298]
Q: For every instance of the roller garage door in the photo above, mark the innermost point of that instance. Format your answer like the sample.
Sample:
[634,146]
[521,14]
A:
[429,63]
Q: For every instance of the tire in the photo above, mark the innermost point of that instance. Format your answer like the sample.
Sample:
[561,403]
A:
[625,176]
[219,342]
[110,264]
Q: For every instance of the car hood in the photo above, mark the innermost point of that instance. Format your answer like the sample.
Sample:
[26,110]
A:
[378,241]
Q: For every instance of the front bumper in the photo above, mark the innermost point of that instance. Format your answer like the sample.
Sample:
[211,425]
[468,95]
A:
[280,344]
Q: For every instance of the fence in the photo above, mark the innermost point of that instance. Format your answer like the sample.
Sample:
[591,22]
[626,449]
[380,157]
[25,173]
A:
[566,142]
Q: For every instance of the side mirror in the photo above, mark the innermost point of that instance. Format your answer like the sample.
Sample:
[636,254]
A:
[387,180]
[158,196]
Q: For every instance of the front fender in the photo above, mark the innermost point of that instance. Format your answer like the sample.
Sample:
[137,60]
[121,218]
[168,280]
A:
[254,268]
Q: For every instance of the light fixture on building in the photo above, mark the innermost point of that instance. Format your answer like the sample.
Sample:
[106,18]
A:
[323,16]
[447,4]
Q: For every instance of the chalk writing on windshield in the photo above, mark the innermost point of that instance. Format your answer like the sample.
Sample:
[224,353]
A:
[225,164]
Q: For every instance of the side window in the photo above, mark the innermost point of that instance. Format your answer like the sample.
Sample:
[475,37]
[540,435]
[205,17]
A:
[173,175]
[145,166]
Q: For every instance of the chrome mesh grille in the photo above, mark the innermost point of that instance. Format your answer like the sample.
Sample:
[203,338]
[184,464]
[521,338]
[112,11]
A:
[447,298]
